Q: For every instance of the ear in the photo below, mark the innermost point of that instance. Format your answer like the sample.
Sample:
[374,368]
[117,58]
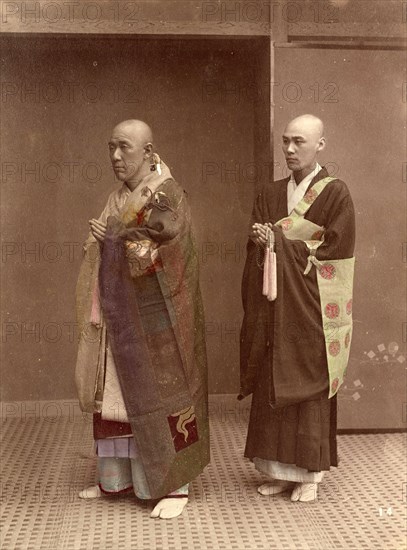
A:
[321,144]
[148,150]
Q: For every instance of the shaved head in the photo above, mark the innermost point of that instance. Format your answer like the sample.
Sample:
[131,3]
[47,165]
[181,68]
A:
[137,129]
[309,124]
[131,150]
[303,139]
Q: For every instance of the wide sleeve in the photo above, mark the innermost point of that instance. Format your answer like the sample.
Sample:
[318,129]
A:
[339,222]
[159,223]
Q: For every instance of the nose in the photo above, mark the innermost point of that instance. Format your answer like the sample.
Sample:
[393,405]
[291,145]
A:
[116,154]
[290,147]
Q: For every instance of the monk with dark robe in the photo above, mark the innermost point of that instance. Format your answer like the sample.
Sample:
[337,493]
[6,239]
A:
[297,326]
[141,366]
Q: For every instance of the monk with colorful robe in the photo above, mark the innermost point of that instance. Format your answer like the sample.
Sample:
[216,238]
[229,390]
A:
[141,366]
[297,326]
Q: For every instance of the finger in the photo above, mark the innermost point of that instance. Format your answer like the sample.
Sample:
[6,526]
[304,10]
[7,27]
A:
[95,223]
[97,226]
[98,230]
[97,233]
[98,222]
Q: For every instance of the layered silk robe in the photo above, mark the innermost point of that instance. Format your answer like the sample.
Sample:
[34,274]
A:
[142,329]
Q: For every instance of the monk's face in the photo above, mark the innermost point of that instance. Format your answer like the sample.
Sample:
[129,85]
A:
[301,142]
[126,153]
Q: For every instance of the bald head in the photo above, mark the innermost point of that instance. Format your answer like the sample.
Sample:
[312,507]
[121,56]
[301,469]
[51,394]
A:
[309,124]
[131,150]
[137,129]
[303,139]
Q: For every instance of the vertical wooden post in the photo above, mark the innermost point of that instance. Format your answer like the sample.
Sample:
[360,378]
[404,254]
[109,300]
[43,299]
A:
[272,106]
[263,112]
[265,63]
[278,35]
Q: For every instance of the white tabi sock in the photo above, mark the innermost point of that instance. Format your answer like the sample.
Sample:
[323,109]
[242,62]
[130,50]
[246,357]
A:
[90,492]
[305,492]
[275,487]
[169,507]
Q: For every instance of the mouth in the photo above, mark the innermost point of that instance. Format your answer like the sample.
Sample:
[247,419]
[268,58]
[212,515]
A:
[119,168]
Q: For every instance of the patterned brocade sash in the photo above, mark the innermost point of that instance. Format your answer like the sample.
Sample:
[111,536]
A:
[335,284]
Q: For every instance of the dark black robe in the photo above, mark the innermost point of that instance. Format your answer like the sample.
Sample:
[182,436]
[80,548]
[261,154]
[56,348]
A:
[283,356]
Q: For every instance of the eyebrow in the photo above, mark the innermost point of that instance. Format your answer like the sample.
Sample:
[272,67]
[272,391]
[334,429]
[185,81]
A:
[112,142]
[293,137]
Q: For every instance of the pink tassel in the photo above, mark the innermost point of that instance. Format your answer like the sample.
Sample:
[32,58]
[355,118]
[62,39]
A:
[266,272]
[273,277]
[270,270]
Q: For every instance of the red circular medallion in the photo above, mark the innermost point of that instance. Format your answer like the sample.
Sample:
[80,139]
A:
[332,310]
[349,307]
[327,271]
[334,348]
[286,224]
[310,196]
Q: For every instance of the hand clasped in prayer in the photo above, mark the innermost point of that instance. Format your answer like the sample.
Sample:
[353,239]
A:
[98,229]
[260,232]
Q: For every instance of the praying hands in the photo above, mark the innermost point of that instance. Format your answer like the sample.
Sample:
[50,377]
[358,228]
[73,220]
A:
[260,232]
[98,229]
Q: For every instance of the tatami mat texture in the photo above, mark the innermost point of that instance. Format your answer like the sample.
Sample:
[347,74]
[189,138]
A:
[47,459]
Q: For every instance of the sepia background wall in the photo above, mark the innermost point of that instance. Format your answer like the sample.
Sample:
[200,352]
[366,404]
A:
[61,99]
[359,95]
[208,101]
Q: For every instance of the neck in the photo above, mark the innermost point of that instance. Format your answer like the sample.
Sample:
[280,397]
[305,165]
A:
[299,175]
